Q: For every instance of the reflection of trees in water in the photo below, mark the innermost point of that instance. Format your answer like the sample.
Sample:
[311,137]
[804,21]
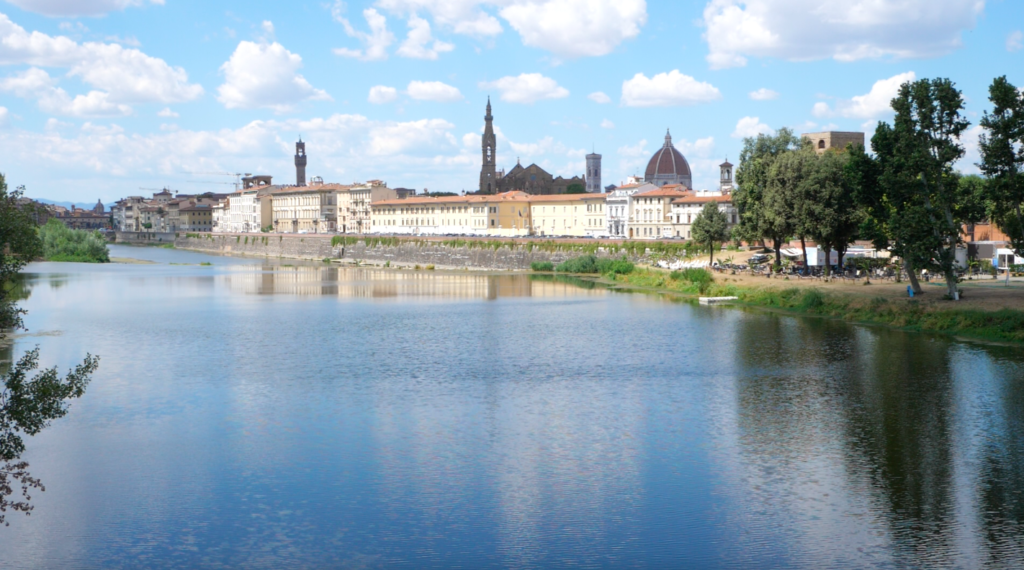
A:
[1001,468]
[884,397]
[899,422]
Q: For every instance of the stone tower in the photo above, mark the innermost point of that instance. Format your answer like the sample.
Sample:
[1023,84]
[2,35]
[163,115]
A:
[488,178]
[726,179]
[300,163]
[594,172]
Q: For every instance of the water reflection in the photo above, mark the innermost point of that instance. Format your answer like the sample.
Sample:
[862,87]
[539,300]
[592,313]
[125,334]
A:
[373,283]
[264,415]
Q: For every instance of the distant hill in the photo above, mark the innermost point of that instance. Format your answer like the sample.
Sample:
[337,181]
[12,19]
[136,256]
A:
[80,205]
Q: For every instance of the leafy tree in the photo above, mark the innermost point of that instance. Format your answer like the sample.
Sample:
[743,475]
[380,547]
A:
[785,200]
[28,402]
[832,216]
[710,227]
[759,216]
[917,158]
[575,189]
[1002,159]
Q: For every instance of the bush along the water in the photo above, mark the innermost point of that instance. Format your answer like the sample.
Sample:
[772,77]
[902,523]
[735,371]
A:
[542,266]
[61,243]
[700,277]
[594,264]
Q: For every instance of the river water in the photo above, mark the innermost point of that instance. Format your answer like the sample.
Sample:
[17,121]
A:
[264,415]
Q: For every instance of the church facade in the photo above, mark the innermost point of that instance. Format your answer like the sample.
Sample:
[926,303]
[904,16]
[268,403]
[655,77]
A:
[531,179]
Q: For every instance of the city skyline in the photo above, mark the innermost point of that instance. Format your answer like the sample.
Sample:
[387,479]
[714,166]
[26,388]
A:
[101,97]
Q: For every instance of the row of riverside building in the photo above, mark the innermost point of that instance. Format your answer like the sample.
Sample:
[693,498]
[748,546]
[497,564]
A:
[659,205]
[635,210]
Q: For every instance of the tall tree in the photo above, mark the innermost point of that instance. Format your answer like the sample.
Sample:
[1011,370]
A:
[832,216]
[931,204]
[28,402]
[711,227]
[757,218]
[1002,159]
[784,207]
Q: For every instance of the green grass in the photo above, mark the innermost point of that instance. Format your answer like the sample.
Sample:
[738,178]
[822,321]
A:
[594,264]
[1005,325]
[542,266]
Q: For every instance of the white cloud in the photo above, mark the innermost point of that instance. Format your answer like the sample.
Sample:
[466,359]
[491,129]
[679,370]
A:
[265,75]
[599,97]
[380,94]
[35,83]
[751,127]
[167,112]
[763,94]
[126,75]
[461,16]
[4,116]
[433,91]
[526,88]
[606,124]
[872,105]
[73,8]
[666,90]
[375,42]
[576,28]
[268,28]
[1015,41]
[700,148]
[415,45]
[801,30]
[972,151]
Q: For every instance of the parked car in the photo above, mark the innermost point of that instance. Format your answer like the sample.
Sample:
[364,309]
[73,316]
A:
[758,258]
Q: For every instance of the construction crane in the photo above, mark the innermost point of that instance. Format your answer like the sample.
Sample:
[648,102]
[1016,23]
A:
[238,177]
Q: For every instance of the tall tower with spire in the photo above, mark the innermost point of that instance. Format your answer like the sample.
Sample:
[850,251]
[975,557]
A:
[300,163]
[488,178]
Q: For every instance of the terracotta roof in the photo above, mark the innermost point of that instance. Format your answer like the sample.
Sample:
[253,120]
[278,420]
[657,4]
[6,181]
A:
[666,190]
[667,161]
[702,199]
[567,197]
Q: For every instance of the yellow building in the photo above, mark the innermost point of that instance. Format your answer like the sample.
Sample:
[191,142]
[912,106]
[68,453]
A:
[355,205]
[575,215]
[650,213]
[305,209]
[419,215]
[195,217]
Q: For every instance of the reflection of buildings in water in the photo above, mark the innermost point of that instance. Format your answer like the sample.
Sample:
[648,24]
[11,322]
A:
[373,283]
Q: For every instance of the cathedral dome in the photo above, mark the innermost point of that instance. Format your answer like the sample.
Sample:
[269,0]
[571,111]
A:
[668,166]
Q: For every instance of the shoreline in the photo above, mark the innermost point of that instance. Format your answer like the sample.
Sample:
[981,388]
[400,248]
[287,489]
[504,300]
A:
[993,321]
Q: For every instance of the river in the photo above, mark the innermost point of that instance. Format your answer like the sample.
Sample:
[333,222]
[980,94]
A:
[276,414]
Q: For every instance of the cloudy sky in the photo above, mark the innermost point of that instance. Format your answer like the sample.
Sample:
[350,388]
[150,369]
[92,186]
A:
[101,97]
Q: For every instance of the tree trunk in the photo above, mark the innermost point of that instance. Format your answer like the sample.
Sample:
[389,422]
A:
[828,257]
[711,254]
[915,285]
[778,252]
[803,246]
[951,282]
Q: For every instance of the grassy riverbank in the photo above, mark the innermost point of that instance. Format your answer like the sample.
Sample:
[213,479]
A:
[1001,325]
[61,243]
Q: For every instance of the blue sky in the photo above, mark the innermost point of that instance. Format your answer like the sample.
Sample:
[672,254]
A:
[101,97]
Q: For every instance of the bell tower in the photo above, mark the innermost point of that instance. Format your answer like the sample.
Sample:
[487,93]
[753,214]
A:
[300,163]
[488,178]
[726,180]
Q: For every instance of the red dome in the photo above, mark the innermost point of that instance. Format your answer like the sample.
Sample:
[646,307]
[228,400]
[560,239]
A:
[668,165]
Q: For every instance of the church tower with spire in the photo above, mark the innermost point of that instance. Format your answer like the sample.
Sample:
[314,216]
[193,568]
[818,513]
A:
[488,178]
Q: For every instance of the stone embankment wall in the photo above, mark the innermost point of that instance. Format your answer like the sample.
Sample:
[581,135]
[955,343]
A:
[512,255]
[144,238]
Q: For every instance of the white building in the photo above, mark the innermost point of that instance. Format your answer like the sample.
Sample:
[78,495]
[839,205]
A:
[617,206]
[249,209]
[685,210]
[221,216]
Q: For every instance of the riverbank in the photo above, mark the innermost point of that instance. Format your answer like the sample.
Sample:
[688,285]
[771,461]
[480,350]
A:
[988,312]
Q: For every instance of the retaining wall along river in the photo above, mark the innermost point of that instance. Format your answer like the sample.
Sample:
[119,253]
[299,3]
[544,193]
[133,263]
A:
[504,254]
